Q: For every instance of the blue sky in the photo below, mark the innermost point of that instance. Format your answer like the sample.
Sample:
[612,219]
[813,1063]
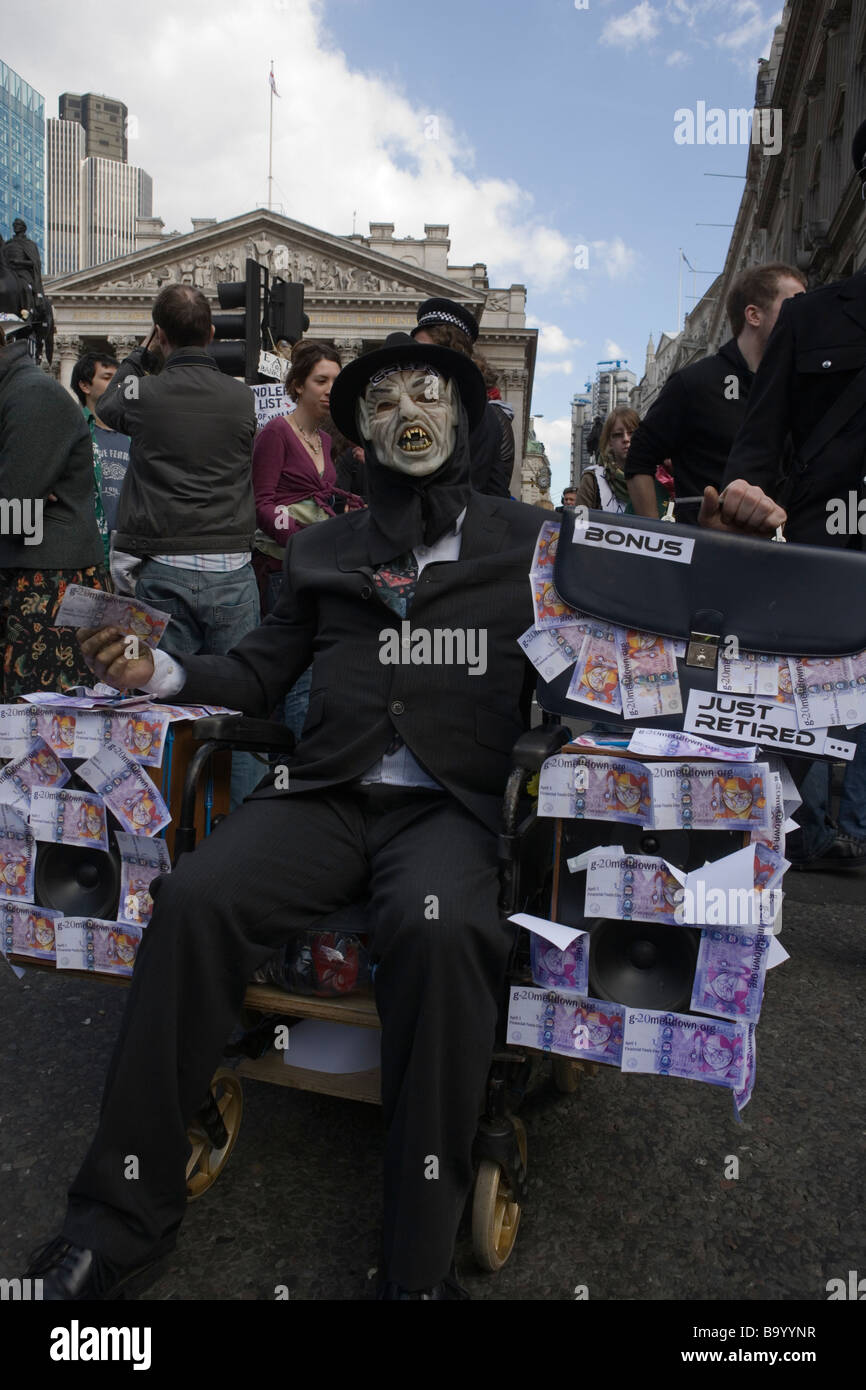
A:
[556,129]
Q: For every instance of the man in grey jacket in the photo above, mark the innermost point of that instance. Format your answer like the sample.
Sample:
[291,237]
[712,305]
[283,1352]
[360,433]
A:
[187,503]
[48,532]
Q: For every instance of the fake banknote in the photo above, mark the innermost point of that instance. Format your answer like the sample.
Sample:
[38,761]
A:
[126,789]
[730,974]
[566,971]
[829,692]
[696,1049]
[17,856]
[673,743]
[27,930]
[68,818]
[662,796]
[38,767]
[140,732]
[549,652]
[649,684]
[596,674]
[93,608]
[631,888]
[142,859]
[90,943]
[588,1030]
[752,673]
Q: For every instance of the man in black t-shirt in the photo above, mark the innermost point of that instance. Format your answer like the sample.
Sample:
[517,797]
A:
[695,418]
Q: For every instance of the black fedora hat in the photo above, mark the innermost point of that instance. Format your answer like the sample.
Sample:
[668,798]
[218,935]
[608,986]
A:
[399,350]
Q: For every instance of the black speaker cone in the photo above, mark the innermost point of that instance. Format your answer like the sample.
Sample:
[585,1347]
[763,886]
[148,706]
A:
[76,881]
[641,965]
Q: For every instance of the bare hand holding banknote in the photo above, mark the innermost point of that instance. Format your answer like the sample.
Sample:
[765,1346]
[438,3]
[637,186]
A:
[115,657]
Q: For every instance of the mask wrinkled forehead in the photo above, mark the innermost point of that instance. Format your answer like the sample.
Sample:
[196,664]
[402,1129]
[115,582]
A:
[383,381]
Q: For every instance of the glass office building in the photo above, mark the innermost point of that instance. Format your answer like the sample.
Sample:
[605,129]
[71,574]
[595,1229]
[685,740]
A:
[22,156]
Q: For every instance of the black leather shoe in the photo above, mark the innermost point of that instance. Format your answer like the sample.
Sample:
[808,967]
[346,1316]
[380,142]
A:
[71,1274]
[844,853]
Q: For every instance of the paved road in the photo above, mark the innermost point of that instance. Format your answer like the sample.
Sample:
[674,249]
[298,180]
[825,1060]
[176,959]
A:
[628,1189]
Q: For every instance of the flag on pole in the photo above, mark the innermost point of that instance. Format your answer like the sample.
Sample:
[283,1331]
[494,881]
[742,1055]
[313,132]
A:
[273,83]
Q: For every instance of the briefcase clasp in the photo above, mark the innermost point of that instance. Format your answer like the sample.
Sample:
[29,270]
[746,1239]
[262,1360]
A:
[703,650]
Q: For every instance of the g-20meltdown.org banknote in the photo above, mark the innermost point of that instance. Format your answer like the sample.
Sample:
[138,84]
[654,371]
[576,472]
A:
[661,796]
[631,888]
[93,608]
[730,973]
[829,692]
[141,859]
[90,943]
[17,856]
[128,790]
[68,818]
[28,930]
[649,684]
[697,1049]
[588,1030]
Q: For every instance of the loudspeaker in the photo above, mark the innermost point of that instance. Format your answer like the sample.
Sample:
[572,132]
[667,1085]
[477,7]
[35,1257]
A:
[639,964]
[78,881]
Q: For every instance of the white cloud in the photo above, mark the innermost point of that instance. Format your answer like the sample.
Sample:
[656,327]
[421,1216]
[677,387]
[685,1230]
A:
[617,259]
[203,120]
[753,32]
[677,59]
[551,339]
[556,436]
[553,368]
[637,26]
[613,349]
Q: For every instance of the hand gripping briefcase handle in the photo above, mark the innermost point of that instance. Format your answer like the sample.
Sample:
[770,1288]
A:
[695,583]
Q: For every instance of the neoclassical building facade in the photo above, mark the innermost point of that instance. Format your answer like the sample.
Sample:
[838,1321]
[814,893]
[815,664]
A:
[357,290]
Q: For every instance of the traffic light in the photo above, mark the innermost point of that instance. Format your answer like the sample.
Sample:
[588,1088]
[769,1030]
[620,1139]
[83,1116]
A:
[285,320]
[238,337]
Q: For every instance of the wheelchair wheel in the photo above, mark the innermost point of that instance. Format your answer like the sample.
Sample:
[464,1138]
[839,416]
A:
[209,1156]
[566,1074]
[495,1211]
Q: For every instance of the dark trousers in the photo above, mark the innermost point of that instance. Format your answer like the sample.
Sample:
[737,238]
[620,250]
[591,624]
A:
[441,950]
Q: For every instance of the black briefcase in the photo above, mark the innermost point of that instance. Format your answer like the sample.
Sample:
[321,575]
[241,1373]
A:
[705,587]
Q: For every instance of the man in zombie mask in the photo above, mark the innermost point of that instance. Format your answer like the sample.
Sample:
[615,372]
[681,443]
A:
[393,794]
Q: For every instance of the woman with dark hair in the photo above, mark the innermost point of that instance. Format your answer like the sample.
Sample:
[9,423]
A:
[294,481]
[603,485]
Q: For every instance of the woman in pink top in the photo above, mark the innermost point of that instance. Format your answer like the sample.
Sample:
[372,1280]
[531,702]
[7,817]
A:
[294,481]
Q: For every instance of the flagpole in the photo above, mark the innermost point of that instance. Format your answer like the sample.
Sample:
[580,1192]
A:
[271,146]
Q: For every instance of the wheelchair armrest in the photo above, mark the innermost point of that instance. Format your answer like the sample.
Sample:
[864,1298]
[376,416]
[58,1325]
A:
[243,733]
[537,745]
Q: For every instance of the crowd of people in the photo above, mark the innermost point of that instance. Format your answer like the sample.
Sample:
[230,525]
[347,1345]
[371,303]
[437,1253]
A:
[279,563]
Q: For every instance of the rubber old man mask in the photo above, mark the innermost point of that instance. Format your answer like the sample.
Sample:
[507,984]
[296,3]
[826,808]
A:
[410,418]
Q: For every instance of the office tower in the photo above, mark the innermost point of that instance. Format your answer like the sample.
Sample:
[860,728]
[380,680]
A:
[104,122]
[22,156]
[113,196]
[65,147]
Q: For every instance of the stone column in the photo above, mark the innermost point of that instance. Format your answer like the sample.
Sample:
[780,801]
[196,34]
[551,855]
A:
[123,344]
[349,348]
[514,384]
[67,351]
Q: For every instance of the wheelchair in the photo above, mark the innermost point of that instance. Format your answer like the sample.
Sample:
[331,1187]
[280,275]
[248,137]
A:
[525,852]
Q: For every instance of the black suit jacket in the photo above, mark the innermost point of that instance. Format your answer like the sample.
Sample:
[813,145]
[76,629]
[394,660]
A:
[460,726]
[816,348]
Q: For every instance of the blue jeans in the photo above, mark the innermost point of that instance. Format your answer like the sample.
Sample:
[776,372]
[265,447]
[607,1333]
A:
[298,698]
[816,816]
[210,612]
